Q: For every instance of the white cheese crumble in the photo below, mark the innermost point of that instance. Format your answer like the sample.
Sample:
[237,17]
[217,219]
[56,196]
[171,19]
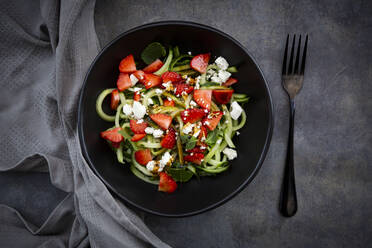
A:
[237,133]
[236,110]
[196,134]
[187,128]
[127,109]
[167,84]
[216,79]
[140,121]
[189,53]
[137,89]
[197,80]
[224,75]
[133,79]
[219,141]
[230,153]
[165,159]
[158,91]
[157,133]
[150,101]
[150,165]
[193,103]
[221,63]
[149,130]
[139,110]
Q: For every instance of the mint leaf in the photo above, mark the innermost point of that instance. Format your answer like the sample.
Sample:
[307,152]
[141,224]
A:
[152,52]
[212,138]
[184,139]
[191,143]
[180,174]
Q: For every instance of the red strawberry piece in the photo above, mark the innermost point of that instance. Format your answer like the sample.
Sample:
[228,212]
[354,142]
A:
[196,149]
[203,132]
[151,80]
[168,103]
[137,128]
[162,120]
[127,65]
[166,183]
[212,120]
[230,82]
[169,139]
[123,82]
[138,137]
[112,135]
[140,75]
[171,76]
[200,62]
[143,156]
[115,99]
[181,87]
[203,98]
[154,66]
[223,96]
[192,115]
[137,96]
[195,158]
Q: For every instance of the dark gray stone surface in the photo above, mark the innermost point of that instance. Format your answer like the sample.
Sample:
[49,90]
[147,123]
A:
[333,133]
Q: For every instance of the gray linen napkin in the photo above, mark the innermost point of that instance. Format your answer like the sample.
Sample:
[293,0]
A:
[46,48]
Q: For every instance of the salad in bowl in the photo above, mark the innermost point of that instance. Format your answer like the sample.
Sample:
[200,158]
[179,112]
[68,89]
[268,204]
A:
[176,117]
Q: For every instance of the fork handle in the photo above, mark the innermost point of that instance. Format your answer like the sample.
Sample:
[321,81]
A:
[288,198]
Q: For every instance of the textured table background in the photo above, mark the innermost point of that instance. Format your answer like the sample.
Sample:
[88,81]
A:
[333,133]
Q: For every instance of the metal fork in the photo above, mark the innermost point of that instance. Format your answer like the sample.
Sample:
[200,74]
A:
[292,79]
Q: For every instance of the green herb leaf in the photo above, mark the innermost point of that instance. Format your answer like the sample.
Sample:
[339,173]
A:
[180,174]
[191,143]
[212,138]
[184,139]
[152,52]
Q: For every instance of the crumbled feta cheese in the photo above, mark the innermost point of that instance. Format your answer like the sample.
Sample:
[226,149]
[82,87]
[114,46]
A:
[197,85]
[210,72]
[203,139]
[189,53]
[150,165]
[196,134]
[221,63]
[236,110]
[165,159]
[230,153]
[127,109]
[224,75]
[216,79]
[219,141]
[237,133]
[185,113]
[160,169]
[188,80]
[206,111]
[133,79]
[158,91]
[139,110]
[206,122]
[167,84]
[149,130]
[157,133]
[169,99]
[150,101]
[137,89]
[187,128]
[193,103]
[140,121]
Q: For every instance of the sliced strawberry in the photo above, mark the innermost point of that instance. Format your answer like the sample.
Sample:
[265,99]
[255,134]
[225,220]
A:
[168,103]
[137,96]
[169,139]
[115,99]
[230,82]
[140,75]
[200,62]
[123,82]
[162,120]
[166,183]
[127,65]
[196,158]
[192,115]
[203,133]
[171,76]
[203,98]
[212,120]
[223,96]
[196,149]
[154,66]
[138,137]
[137,128]
[143,156]
[112,135]
[181,87]
[151,80]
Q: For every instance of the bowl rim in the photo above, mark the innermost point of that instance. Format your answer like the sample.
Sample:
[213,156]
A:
[267,139]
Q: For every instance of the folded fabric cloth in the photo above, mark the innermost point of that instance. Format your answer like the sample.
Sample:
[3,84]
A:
[46,48]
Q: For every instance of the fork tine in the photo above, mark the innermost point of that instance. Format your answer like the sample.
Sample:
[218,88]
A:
[290,66]
[297,56]
[304,57]
[284,70]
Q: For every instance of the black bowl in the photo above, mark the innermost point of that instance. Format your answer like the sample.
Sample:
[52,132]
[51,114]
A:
[195,196]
